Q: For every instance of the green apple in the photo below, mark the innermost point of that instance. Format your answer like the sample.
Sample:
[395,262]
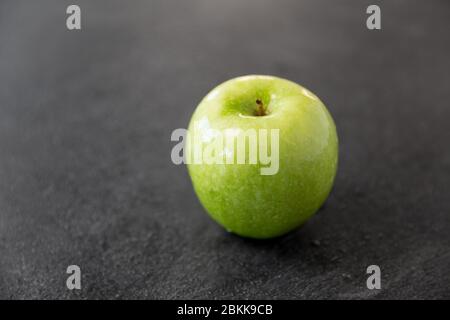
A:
[239,196]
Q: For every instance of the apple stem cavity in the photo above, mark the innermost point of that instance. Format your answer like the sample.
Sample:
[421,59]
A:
[260,110]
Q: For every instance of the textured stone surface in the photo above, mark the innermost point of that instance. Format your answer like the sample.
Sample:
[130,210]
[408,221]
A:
[85,170]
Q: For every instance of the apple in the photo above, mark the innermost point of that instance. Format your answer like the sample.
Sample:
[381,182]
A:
[239,196]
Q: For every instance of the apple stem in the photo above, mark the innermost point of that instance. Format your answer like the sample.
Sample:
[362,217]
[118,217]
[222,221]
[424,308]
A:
[260,110]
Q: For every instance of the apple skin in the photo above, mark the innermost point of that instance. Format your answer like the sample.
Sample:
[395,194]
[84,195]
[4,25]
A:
[237,196]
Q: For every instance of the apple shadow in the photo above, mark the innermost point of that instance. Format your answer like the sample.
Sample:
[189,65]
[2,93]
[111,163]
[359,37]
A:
[300,255]
[294,235]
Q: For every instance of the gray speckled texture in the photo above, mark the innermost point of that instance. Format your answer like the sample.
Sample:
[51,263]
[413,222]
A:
[85,170]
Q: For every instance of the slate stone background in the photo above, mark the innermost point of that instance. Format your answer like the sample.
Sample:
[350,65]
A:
[85,170]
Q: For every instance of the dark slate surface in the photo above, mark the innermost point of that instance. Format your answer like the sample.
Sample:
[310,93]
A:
[85,170]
